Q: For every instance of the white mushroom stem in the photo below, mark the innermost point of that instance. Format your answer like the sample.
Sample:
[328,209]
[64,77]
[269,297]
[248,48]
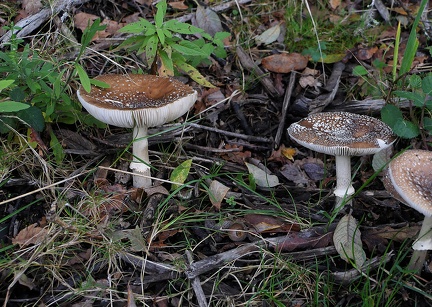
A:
[344,188]
[141,162]
[422,245]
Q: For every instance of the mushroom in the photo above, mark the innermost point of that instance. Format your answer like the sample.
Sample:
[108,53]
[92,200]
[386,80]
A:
[138,102]
[408,178]
[342,135]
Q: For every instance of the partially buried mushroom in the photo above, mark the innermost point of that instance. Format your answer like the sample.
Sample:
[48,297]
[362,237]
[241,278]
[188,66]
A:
[138,102]
[408,178]
[342,135]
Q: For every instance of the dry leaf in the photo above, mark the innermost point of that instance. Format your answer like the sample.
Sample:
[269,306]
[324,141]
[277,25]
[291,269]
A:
[138,243]
[314,170]
[279,154]
[31,6]
[236,156]
[285,62]
[217,192]
[178,5]
[334,4]
[208,20]
[269,36]
[32,234]
[265,223]
[294,173]
[131,18]
[347,241]
[144,2]
[365,53]
[262,179]
[289,153]
[83,20]
[299,240]
[25,281]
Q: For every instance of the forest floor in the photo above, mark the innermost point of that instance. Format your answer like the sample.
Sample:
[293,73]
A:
[239,214]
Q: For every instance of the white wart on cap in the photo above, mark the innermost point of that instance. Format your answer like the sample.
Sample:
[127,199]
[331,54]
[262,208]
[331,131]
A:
[139,102]
[342,135]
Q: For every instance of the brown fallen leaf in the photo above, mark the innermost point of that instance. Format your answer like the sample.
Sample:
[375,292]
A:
[366,53]
[395,234]
[334,4]
[298,240]
[236,156]
[378,238]
[32,234]
[285,62]
[265,223]
[31,6]
[83,20]
[178,5]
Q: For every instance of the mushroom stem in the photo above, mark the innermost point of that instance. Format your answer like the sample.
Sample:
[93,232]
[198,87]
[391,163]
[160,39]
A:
[344,188]
[421,245]
[141,162]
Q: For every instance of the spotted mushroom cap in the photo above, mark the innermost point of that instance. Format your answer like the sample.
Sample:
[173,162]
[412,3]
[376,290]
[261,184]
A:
[342,134]
[410,175]
[137,100]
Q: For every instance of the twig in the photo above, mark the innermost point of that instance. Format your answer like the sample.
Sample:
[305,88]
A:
[196,285]
[348,276]
[209,149]
[233,134]
[242,118]
[216,261]
[284,111]
[148,265]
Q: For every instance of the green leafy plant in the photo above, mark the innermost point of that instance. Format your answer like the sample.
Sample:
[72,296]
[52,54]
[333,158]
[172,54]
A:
[381,83]
[373,83]
[162,42]
[418,90]
[35,89]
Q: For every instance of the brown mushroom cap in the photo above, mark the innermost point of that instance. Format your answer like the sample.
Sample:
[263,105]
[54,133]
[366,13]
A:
[137,100]
[411,177]
[342,134]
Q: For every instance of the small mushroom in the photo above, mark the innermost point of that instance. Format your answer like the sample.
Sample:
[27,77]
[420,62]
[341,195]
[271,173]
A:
[342,135]
[408,178]
[138,102]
